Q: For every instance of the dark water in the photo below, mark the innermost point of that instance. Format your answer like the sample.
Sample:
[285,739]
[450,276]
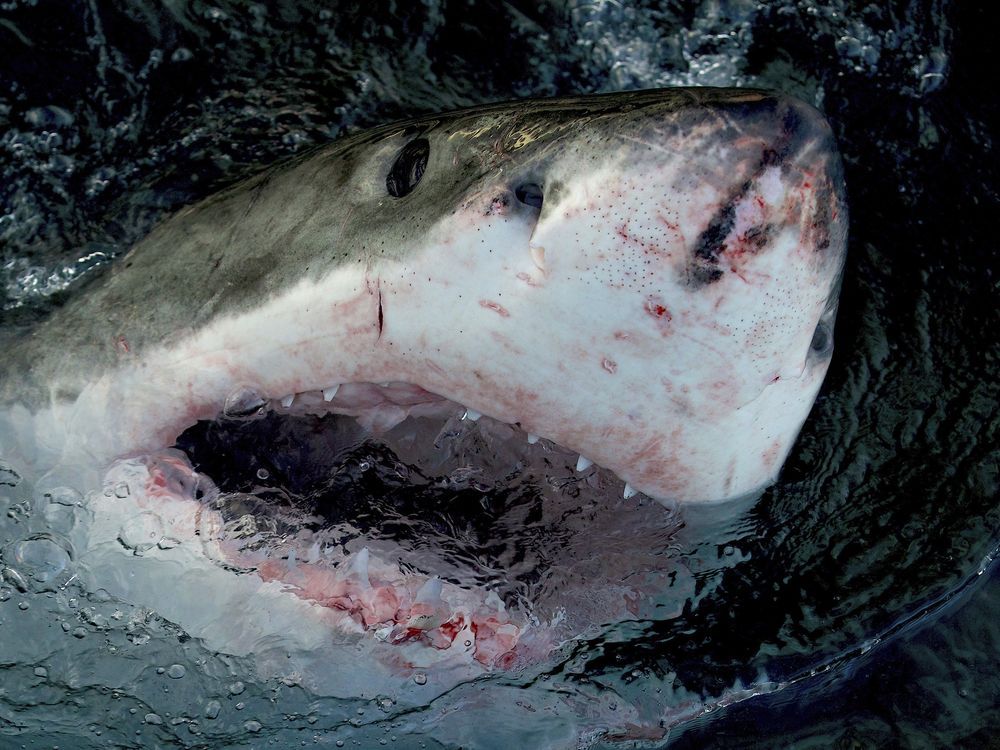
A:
[861,565]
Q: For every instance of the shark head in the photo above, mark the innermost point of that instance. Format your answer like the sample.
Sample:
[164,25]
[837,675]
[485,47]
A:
[647,279]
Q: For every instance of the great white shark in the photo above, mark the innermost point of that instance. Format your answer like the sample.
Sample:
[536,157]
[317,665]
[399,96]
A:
[647,279]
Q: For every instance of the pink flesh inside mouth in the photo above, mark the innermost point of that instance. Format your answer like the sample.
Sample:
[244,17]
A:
[451,574]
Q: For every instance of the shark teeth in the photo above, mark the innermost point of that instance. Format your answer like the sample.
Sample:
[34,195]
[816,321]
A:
[309,399]
[358,568]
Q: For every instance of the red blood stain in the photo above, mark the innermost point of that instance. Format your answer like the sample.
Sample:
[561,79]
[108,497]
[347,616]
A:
[737,271]
[656,308]
[452,628]
[672,226]
[770,456]
[495,307]
[609,364]
[505,661]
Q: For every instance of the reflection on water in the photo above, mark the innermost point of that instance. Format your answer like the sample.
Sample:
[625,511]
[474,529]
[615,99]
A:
[115,116]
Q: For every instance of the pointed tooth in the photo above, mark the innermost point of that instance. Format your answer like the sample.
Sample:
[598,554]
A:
[429,609]
[314,554]
[472,415]
[329,393]
[532,439]
[358,567]
[629,491]
[430,592]
[583,463]
[287,400]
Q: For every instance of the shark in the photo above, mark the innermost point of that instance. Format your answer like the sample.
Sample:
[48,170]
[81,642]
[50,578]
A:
[646,281]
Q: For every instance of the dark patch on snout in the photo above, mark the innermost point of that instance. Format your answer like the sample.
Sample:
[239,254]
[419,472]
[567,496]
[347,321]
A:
[757,237]
[797,140]
[704,267]
[818,232]
[794,132]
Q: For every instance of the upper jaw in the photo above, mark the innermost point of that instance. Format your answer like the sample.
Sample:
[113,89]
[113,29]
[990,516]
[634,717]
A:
[580,323]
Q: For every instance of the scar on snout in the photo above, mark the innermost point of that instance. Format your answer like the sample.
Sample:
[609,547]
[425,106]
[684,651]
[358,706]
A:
[495,307]
[609,364]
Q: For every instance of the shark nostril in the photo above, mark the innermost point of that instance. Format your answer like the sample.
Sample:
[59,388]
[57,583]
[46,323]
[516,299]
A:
[408,168]
[530,194]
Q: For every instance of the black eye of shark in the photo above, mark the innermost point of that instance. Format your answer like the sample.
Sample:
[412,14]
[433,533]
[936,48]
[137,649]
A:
[408,168]
[530,194]
[822,340]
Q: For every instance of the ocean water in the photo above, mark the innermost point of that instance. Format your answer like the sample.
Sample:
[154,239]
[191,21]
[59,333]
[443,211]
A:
[854,605]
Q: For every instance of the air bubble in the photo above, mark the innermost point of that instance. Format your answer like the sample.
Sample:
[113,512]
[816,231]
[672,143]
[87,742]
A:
[141,533]
[41,558]
[176,671]
[49,116]
[9,477]
[212,709]
[63,496]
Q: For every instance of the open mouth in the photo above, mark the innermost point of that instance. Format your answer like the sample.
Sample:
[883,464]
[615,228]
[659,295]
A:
[421,524]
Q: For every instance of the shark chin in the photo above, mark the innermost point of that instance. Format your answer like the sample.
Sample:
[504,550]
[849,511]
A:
[641,284]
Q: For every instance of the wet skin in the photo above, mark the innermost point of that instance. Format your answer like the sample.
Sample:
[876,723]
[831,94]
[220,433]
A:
[648,280]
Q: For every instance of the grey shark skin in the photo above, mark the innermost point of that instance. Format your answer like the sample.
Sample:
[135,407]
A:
[647,278]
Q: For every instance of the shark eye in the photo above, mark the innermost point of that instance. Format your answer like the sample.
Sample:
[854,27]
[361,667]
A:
[408,168]
[822,340]
[529,194]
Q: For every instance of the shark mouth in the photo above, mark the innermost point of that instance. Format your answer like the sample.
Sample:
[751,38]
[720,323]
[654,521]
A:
[412,520]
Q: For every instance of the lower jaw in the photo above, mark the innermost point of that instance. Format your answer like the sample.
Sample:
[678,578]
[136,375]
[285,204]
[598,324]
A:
[421,525]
